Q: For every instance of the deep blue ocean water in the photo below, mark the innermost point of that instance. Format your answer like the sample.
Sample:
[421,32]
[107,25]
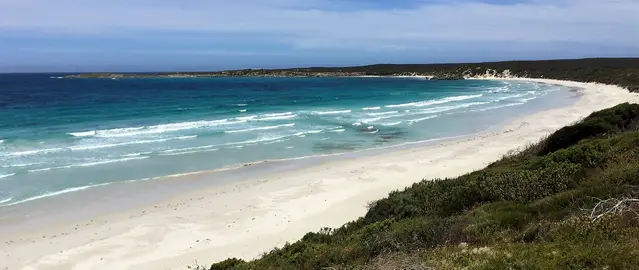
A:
[62,135]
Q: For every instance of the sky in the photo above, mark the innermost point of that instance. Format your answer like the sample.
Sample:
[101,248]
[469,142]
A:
[163,35]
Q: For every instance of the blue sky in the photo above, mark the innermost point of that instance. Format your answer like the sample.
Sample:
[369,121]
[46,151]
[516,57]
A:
[158,35]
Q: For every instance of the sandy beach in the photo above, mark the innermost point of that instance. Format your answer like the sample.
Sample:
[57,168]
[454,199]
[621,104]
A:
[243,218]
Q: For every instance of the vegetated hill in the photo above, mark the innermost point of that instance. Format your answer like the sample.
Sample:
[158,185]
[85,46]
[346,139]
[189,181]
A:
[564,203]
[618,71]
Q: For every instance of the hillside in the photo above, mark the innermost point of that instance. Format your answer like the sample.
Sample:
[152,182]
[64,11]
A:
[564,203]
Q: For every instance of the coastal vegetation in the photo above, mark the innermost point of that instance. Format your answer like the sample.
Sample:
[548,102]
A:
[618,71]
[570,201]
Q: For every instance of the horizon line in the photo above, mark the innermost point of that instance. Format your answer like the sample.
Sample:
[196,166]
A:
[314,67]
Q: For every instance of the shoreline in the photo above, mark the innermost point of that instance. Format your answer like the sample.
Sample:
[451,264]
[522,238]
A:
[240,166]
[12,202]
[224,221]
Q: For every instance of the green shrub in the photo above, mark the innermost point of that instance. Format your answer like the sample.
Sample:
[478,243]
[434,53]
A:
[427,198]
[406,235]
[228,264]
[527,185]
[621,117]
[495,220]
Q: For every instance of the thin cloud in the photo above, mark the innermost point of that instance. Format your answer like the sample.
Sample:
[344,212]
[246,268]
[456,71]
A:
[314,31]
[538,21]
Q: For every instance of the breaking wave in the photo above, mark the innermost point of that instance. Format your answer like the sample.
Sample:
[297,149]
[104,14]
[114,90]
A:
[331,112]
[260,128]
[434,102]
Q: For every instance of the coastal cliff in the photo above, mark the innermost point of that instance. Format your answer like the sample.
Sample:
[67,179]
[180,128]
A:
[618,71]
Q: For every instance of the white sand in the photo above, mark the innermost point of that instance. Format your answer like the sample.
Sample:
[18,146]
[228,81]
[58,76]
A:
[248,218]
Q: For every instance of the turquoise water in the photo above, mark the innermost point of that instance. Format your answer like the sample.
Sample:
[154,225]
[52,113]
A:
[64,135]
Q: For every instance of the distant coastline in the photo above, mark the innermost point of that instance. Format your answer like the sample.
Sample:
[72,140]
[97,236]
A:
[623,72]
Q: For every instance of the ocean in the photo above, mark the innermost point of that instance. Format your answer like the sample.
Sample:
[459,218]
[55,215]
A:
[64,135]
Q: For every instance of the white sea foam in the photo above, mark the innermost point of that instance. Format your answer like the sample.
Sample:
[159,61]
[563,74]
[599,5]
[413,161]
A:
[373,132]
[277,114]
[83,133]
[6,200]
[371,108]
[107,162]
[498,107]
[100,146]
[189,148]
[303,133]
[391,124]
[243,110]
[114,131]
[509,97]
[1,141]
[268,117]
[240,105]
[448,108]
[383,113]
[330,112]
[277,141]
[357,124]
[423,111]
[369,120]
[40,170]
[19,165]
[136,154]
[412,121]
[260,128]
[51,194]
[526,99]
[434,102]
[209,147]
[338,130]
[6,175]
[274,118]
[33,152]
[247,117]
[89,164]
[189,152]
[134,131]
[186,137]
[258,140]
[500,89]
